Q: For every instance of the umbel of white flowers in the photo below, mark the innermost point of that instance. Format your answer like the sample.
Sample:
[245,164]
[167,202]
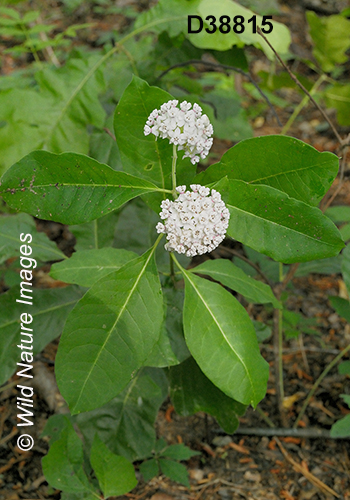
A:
[196,222]
[187,128]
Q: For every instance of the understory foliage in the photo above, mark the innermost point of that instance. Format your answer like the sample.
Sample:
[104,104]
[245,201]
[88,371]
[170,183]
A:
[139,321]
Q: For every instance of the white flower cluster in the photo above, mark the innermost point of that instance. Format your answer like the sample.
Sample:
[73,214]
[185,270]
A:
[185,127]
[196,222]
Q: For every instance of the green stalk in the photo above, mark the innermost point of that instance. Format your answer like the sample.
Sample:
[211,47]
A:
[277,349]
[317,383]
[280,340]
[173,171]
[302,103]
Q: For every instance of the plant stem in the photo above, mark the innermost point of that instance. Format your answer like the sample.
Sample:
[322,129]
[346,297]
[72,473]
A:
[278,348]
[172,270]
[306,92]
[265,417]
[303,103]
[173,171]
[317,383]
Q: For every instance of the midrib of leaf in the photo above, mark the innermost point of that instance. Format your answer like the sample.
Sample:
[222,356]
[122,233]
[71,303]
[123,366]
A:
[94,185]
[221,330]
[294,171]
[115,323]
[127,396]
[100,62]
[95,230]
[337,97]
[95,266]
[50,309]
[280,225]
[218,274]
[36,245]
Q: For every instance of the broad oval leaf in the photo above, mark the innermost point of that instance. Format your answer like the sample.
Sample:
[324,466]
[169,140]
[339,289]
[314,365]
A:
[63,465]
[171,347]
[11,227]
[171,16]
[222,339]
[282,162]
[109,334]
[236,279]
[69,188]
[49,312]
[131,414]
[191,391]
[146,156]
[142,155]
[86,267]
[115,474]
[283,228]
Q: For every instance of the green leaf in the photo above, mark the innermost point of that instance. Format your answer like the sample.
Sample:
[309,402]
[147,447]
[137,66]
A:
[149,469]
[222,339]
[86,495]
[263,332]
[63,465]
[345,232]
[146,157]
[338,97]
[339,213]
[56,115]
[171,347]
[344,368]
[236,279]
[115,474]
[321,266]
[330,36]
[142,156]
[171,16]
[54,426]
[98,233]
[191,391]
[342,307]
[341,429]
[282,162]
[68,188]
[345,266]
[109,334]
[12,227]
[49,312]
[283,228]
[128,416]
[179,452]
[174,471]
[10,12]
[88,266]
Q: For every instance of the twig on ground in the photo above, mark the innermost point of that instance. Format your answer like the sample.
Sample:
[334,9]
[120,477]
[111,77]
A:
[9,436]
[299,468]
[317,383]
[310,433]
[227,67]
